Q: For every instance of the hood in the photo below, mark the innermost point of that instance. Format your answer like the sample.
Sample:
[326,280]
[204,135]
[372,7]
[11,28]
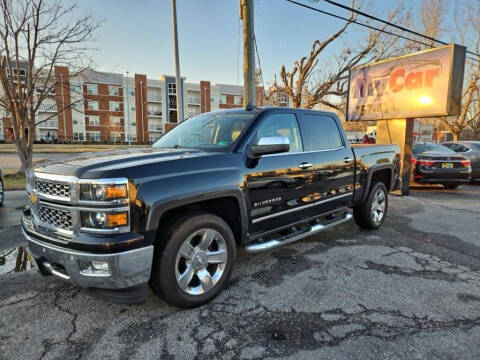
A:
[116,163]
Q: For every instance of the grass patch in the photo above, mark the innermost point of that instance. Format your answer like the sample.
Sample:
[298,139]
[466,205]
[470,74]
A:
[13,181]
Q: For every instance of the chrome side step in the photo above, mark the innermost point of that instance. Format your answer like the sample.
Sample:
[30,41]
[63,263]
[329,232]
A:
[256,248]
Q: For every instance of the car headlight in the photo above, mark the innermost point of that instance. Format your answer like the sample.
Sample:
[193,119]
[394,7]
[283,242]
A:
[103,192]
[104,220]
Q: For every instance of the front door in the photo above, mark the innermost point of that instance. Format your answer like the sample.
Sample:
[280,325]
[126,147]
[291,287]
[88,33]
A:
[332,160]
[279,186]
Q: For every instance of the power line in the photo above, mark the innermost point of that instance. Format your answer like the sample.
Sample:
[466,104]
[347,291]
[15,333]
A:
[391,24]
[368,26]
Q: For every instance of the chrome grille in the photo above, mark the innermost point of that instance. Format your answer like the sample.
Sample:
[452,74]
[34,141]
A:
[51,188]
[53,217]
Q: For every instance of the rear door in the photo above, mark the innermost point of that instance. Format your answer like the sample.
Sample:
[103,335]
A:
[279,186]
[333,161]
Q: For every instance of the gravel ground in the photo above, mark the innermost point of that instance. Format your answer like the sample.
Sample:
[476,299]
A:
[409,290]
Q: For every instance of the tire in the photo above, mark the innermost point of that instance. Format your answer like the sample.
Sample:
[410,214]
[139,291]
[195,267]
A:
[364,214]
[450,186]
[2,193]
[181,274]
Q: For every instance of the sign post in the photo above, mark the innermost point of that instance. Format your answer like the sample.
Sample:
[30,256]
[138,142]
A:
[396,91]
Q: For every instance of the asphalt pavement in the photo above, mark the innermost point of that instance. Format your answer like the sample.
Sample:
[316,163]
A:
[408,290]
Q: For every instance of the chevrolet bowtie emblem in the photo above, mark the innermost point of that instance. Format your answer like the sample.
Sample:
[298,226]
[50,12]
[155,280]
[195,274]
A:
[33,198]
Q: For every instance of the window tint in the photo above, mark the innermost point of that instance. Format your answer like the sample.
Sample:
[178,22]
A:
[321,133]
[282,125]
[420,148]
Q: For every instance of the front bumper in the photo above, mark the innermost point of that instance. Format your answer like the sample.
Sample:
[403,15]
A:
[126,269]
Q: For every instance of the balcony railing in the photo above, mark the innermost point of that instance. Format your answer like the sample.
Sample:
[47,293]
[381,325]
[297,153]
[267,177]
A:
[155,127]
[46,107]
[154,112]
[157,98]
[49,124]
[193,100]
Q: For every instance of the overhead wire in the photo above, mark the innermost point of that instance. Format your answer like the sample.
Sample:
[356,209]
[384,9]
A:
[373,27]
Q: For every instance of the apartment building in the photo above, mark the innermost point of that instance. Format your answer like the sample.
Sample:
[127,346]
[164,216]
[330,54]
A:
[110,108]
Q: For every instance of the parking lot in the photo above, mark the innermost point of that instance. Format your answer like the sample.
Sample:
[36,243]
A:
[408,290]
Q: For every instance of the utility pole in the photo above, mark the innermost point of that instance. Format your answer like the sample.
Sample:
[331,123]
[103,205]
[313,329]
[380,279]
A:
[179,87]
[246,14]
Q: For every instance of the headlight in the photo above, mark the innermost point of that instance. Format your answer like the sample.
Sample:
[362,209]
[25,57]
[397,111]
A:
[104,220]
[103,192]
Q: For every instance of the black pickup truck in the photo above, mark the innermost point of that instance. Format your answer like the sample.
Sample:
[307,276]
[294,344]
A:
[173,215]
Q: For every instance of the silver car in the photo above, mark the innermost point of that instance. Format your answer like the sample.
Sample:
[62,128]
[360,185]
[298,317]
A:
[469,150]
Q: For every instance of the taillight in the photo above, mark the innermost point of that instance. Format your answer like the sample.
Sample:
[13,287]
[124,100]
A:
[465,163]
[423,162]
[427,162]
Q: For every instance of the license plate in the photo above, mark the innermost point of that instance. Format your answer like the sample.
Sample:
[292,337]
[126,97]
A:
[447,165]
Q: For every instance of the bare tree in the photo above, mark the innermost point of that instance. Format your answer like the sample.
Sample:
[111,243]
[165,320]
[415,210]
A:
[37,35]
[306,86]
[467,32]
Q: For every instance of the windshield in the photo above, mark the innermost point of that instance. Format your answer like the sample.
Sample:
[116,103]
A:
[420,148]
[210,130]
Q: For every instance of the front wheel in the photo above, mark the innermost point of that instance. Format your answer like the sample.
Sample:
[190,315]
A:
[193,260]
[372,213]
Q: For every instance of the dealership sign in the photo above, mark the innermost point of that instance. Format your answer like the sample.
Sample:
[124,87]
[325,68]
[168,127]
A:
[423,84]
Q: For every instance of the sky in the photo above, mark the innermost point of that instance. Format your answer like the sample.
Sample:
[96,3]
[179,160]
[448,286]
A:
[136,36]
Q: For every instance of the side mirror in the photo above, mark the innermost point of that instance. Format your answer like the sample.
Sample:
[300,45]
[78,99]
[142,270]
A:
[268,145]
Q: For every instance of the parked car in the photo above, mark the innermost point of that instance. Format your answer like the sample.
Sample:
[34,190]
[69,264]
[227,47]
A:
[2,192]
[437,164]
[172,215]
[469,150]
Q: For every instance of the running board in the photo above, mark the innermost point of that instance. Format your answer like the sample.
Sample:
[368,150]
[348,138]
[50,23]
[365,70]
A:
[256,248]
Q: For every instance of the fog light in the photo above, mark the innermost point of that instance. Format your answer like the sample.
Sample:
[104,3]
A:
[96,268]
[100,266]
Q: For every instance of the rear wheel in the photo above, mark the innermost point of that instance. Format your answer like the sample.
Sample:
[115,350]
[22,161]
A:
[372,213]
[450,186]
[194,260]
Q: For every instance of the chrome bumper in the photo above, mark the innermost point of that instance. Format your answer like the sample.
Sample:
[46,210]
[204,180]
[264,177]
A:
[125,269]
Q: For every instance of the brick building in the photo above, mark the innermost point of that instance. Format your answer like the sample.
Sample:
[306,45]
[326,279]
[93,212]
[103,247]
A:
[110,108]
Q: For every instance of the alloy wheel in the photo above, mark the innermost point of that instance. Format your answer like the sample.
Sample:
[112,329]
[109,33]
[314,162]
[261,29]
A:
[201,261]
[378,206]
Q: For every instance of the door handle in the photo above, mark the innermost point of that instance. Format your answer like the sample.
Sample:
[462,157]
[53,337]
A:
[305,165]
[347,160]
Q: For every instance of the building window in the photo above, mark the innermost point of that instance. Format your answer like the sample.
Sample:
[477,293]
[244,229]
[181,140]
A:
[115,106]
[132,108]
[113,90]
[93,135]
[92,89]
[115,121]
[172,89]
[93,120]
[92,105]
[116,137]
[238,100]
[75,87]
[78,136]
[132,92]
[78,118]
[223,99]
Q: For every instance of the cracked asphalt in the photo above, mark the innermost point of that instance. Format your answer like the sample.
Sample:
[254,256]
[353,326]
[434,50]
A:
[409,290]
